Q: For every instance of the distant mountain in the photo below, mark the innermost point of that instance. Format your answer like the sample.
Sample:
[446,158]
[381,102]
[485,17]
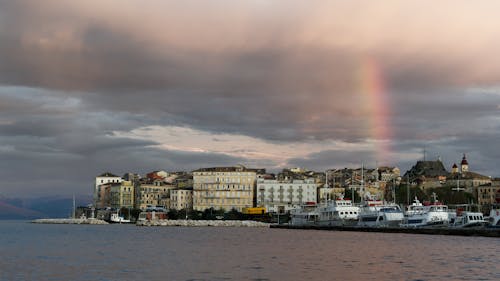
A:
[43,207]
[8,211]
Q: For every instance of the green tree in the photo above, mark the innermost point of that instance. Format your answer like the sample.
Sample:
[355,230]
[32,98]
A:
[173,214]
[233,215]
[349,192]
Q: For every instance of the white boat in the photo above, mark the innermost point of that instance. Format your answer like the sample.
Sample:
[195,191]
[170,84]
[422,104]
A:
[468,219]
[116,218]
[494,218]
[376,213]
[337,213]
[419,215]
[304,215]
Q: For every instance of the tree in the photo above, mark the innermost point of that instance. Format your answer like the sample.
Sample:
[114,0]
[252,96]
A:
[173,214]
[348,194]
[233,215]
[134,214]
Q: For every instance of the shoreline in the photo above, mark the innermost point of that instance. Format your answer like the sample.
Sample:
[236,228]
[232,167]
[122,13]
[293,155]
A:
[484,232]
[202,223]
[70,221]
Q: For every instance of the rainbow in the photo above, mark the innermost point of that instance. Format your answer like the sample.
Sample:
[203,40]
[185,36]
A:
[376,107]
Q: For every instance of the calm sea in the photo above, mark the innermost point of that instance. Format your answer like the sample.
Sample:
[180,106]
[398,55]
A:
[126,252]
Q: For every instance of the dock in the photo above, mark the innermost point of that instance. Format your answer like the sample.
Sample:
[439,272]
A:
[484,232]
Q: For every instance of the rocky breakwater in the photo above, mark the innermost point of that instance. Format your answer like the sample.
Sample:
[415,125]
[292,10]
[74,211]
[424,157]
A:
[219,223]
[70,221]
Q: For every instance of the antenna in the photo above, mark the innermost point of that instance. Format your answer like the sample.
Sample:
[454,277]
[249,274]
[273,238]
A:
[424,152]
[458,184]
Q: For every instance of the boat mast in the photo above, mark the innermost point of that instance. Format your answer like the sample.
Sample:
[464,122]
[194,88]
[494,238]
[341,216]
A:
[362,189]
[74,207]
[408,190]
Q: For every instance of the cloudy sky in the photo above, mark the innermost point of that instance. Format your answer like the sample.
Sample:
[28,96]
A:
[92,86]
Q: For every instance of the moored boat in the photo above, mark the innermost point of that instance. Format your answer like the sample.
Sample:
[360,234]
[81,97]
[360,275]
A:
[469,219]
[116,218]
[420,215]
[376,213]
[338,212]
[304,215]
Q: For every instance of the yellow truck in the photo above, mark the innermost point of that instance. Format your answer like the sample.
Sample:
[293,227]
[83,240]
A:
[254,211]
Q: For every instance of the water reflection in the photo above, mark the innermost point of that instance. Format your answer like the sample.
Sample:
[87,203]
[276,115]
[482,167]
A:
[126,252]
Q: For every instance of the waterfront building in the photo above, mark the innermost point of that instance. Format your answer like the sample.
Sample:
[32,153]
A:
[283,195]
[224,188]
[102,197]
[488,194]
[122,195]
[102,188]
[181,199]
[156,193]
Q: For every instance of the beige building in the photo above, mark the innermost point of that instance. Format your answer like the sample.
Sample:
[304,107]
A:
[487,195]
[122,195]
[181,199]
[224,188]
[153,194]
[329,193]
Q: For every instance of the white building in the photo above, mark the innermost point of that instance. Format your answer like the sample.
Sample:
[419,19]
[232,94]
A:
[282,196]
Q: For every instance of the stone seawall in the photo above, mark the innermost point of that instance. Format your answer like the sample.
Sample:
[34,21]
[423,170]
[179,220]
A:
[70,221]
[219,223]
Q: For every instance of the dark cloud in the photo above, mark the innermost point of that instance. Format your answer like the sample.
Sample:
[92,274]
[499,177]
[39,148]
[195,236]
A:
[73,74]
[333,159]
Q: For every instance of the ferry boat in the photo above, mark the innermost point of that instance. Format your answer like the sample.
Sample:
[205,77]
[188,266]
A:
[338,213]
[304,215]
[468,219]
[419,215]
[376,213]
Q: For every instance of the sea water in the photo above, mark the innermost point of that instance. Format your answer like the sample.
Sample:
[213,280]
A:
[127,252]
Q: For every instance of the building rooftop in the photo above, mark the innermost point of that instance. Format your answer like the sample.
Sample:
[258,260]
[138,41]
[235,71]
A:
[239,168]
[427,169]
[108,174]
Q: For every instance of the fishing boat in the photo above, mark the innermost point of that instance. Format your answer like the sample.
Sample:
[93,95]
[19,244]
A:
[427,214]
[338,212]
[117,218]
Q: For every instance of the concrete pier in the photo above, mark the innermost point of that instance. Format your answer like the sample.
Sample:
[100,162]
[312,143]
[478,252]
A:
[217,223]
[486,232]
[70,221]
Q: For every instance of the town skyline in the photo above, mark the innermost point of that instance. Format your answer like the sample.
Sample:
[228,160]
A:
[93,86]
